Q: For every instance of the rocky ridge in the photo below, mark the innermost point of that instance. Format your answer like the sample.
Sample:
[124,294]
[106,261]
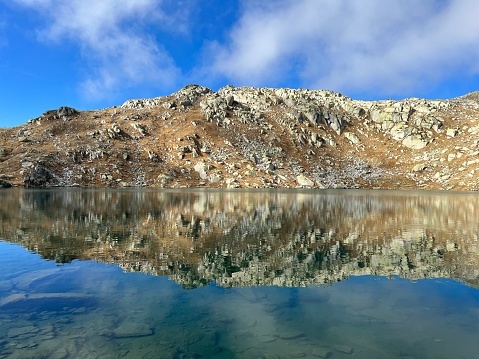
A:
[250,138]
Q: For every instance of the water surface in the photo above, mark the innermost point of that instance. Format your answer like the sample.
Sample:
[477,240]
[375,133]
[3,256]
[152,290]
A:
[238,274]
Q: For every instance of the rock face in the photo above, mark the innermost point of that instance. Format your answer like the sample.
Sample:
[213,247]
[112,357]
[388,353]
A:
[5,184]
[250,137]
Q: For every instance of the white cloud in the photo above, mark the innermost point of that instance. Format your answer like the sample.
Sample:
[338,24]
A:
[373,46]
[114,40]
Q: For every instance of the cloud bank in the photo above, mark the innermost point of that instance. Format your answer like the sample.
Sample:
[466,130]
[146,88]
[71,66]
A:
[368,46]
[116,46]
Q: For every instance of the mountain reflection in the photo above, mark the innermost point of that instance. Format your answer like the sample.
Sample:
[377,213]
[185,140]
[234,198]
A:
[249,238]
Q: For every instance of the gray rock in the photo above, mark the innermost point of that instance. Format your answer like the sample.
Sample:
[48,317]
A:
[40,176]
[5,184]
[66,111]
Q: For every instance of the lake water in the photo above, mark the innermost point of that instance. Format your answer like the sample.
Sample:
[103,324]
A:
[238,274]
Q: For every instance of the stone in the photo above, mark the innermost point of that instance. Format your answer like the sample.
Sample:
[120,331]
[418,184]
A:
[61,353]
[21,331]
[304,181]
[22,299]
[352,137]
[415,142]
[321,352]
[40,176]
[451,132]
[293,334]
[343,349]
[5,184]
[129,329]
[66,111]
[215,178]
[400,130]
[419,167]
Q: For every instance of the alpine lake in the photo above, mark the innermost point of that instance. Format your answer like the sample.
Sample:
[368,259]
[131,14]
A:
[140,273]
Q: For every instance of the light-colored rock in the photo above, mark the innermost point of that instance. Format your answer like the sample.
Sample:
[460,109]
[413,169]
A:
[415,142]
[419,167]
[304,181]
[400,130]
[451,132]
[352,137]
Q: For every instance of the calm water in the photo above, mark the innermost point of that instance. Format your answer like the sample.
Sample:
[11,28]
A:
[238,274]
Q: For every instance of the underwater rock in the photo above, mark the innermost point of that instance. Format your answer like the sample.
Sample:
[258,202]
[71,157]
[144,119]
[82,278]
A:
[132,330]
[322,352]
[61,353]
[343,349]
[23,299]
[22,331]
[293,334]
[24,281]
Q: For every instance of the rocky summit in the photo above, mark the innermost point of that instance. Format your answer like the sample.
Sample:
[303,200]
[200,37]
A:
[244,137]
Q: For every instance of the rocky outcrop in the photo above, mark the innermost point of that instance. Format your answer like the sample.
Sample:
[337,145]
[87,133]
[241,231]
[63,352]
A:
[5,184]
[40,176]
[251,138]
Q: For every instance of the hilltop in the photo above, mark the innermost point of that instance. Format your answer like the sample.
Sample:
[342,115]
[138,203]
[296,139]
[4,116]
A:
[244,137]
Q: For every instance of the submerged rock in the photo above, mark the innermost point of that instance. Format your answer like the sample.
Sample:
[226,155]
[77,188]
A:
[132,330]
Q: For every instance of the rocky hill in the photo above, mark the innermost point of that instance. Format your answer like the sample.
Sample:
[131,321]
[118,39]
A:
[243,137]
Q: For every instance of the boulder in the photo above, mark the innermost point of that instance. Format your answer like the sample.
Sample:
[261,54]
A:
[415,142]
[304,181]
[419,167]
[451,132]
[5,184]
[352,137]
[400,131]
[40,176]
[66,111]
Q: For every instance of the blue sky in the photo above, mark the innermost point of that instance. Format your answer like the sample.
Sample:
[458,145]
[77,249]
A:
[91,54]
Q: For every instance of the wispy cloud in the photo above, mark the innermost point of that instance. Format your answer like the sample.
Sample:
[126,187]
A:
[115,43]
[370,46]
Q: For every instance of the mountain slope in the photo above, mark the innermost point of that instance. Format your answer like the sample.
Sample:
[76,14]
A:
[250,137]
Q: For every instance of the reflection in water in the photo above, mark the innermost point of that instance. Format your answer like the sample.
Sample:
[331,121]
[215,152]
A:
[255,259]
[252,238]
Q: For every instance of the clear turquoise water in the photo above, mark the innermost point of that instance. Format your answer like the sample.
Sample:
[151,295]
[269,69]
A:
[70,308]
[132,315]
